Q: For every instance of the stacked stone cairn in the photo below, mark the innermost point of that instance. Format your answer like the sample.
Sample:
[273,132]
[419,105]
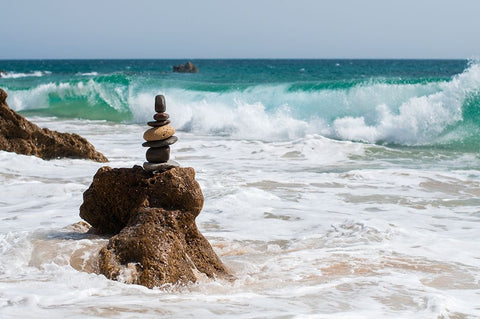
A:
[158,139]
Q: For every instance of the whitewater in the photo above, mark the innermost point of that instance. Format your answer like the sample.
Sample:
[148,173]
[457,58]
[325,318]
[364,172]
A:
[333,189]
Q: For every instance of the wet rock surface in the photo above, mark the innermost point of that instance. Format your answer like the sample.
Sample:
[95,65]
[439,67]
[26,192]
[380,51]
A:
[151,216]
[158,247]
[21,136]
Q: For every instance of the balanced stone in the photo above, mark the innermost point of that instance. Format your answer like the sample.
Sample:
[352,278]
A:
[158,123]
[168,141]
[158,154]
[160,167]
[161,116]
[158,133]
[160,105]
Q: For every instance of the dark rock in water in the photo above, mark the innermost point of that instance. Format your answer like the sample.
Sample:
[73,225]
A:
[161,117]
[153,217]
[160,104]
[158,123]
[21,136]
[189,67]
[168,141]
[2,73]
[158,154]
[160,167]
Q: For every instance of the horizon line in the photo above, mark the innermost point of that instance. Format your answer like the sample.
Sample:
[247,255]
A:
[262,58]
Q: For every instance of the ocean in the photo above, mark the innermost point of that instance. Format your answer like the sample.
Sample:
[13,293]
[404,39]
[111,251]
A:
[333,188]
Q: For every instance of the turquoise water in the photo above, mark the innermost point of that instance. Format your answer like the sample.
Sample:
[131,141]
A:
[333,188]
[420,103]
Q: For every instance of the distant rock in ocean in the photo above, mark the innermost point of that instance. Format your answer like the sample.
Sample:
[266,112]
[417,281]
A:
[21,136]
[189,67]
[151,216]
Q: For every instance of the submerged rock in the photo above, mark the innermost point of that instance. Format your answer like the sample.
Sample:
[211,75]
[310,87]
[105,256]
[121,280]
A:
[189,67]
[152,217]
[21,136]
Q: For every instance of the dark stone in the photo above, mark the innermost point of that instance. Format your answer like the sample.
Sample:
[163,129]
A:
[152,216]
[160,104]
[189,67]
[158,154]
[160,167]
[162,143]
[161,117]
[21,136]
[158,123]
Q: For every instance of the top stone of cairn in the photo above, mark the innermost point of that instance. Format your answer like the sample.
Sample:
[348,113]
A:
[160,105]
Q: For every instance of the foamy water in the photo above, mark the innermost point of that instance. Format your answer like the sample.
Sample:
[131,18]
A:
[310,227]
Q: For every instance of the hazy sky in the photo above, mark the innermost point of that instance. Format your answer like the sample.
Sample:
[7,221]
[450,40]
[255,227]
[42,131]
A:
[239,29]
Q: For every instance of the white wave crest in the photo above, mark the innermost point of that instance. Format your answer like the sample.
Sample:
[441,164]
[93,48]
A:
[372,112]
[420,119]
[91,91]
[407,114]
[410,114]
[15,75]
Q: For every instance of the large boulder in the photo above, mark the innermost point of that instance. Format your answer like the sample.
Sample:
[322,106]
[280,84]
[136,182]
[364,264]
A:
[151,216]
[189,67]
[116,195]
[21,136]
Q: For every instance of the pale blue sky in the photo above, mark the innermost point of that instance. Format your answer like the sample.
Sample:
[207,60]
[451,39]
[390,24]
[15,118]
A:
[239,29]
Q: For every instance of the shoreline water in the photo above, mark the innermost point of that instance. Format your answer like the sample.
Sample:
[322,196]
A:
[311,226]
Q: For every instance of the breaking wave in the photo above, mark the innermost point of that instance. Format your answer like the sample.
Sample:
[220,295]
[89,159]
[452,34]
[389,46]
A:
[439,112]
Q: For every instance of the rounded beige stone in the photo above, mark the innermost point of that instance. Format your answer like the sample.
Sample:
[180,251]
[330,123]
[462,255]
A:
[158,133]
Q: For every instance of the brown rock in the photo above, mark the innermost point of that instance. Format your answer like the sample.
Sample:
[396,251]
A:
[116,195]
[153,217]
[21,136]
[158,133]
[158,247]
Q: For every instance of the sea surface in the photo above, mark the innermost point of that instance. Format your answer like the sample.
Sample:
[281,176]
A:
[333,188]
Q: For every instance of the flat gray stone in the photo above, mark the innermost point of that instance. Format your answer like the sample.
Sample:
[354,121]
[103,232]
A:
[160,167]
[161,143]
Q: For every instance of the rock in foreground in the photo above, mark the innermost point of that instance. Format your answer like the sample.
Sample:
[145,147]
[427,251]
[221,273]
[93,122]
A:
[152,217]
[21,136]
